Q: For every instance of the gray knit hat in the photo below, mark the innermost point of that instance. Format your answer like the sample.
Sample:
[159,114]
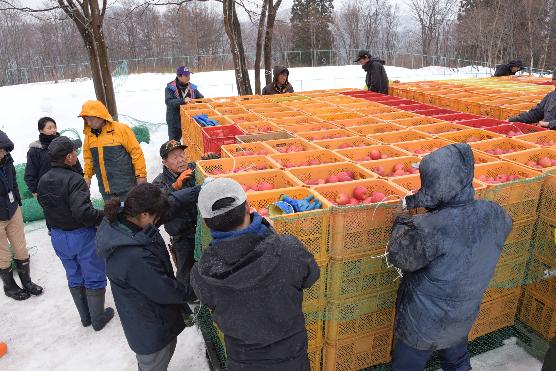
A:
[216,189]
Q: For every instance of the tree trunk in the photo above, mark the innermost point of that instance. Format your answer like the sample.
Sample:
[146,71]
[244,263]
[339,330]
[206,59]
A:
[233,30]
[105,70]
[271,18]
[259,47]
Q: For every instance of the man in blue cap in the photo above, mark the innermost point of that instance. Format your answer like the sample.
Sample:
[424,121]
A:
[178,92]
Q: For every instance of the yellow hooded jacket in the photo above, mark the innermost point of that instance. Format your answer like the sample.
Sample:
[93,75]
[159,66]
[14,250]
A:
[114,155]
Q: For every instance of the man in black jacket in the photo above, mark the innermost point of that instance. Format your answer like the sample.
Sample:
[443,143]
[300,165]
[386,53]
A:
[279,84]
[509,69]
[376,79]
[65,198]
[253,279]
[544,113]
[12,229]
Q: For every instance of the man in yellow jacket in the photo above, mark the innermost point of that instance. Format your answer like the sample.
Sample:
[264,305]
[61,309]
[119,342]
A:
[111,151]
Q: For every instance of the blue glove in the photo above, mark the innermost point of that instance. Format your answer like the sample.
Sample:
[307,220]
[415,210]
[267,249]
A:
[280,208]
[307,204]
[204,121]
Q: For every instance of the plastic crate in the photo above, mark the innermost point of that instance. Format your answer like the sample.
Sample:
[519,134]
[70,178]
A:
[259,127]
[525,157]
[310,227]
[318,126]
[279,179]
[250,138]
[412,183]
[363,154]
[422,147]
[308,173]
[245,117]
[536,275]
[456,117]
[328,110]
[385,168]
[547,201]
[417,107]
[416,122]
[297,120]
[224,166]
[518,243]
[269,109]
[436,112]
[230,110]
[359,352]
[376,111]
[339,116]
[307,158]
[521,197]
[483,158]
[246,149]
[543,138]
[359,316]
[280,115]
[360,105]
[509,272]
[515,129]
[315,358]
[395,116]
[343,143]
[326,134]
[315,296]
[538,312]
[358,122]
[282,145]
[375,129]
[399,102]
[215,137]
[314,324]
[496,314]
[470,135]
[440,128]
[482,123]
[543,238]
[502,146]
[362,228]
[399,136]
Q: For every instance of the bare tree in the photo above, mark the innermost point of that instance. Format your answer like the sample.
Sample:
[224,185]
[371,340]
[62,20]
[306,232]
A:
[259,46]
[233,30]
[432,16]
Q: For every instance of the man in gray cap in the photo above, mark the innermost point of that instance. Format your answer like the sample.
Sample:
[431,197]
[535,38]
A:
[65,198]
[253,279]
[376,79]
[544,113]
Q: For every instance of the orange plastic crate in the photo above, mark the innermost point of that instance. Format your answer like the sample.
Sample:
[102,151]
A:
[364,104]
[395,116]
[483,158]
[269,109]
[245,117]
[330,110]
[496,314]
[412,183]
[319,126]
[376,129]
[297,120]
[224,166]
[385,168]
[246,149]
[307,158]
[538,312]
[234,110]
[358,122]
[363,154]
[343,143]
[400,136]
[339,116]
[470,136]
[502,146]
[377,111]
[282,145]
[416,122]
[277,178]
[307,174]
[440,128]
[280,115]
[525,157]
[545,138]
[423,147]
[326,134]
[259,127]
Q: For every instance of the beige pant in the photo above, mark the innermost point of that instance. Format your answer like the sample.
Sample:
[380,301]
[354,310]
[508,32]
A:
[12,233]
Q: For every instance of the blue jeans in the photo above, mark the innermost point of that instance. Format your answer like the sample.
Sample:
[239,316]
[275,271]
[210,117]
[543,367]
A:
[76,250]
[406,358]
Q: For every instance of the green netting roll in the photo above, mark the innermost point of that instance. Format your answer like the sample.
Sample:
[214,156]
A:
[20,178]
[142,133]
[32,210]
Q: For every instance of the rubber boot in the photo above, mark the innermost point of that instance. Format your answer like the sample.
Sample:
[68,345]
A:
[99,315]
[11,289]
[24,271]
[80,300]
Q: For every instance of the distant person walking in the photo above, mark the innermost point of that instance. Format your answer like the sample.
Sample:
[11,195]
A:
[376,79]
[179,91]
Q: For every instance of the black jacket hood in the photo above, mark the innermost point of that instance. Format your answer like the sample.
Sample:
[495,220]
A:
[277,70]
[112,236]
[5,142]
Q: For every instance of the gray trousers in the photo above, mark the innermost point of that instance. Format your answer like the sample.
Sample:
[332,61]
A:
[157,361]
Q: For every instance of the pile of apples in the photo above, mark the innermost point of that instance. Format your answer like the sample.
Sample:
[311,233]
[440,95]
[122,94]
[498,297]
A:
[342,176]
[252,167]
[399,169]
[512,133]
[472,139]
[360,195]
[548,143]
[321,128]
[419,151]
[500,178]
[542,163]
[499,151]
[331,136]
[241,153]
[259,128]
[288,164]
[354,145]
[290,149]
[374,155]
[263,186]
[238,120]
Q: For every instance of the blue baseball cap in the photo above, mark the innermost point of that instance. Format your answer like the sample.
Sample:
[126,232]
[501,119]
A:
[183,70]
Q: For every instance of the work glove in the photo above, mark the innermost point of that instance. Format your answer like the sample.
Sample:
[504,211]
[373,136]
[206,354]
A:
[280,208]
[178,184]
[307,204]
[210,156]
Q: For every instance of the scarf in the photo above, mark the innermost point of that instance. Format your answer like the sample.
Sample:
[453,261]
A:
[45,140]
[256,227]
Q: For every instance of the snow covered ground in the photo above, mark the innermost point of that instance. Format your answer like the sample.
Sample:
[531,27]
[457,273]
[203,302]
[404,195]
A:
[44,333]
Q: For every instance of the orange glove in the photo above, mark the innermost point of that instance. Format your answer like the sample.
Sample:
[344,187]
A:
[178,184]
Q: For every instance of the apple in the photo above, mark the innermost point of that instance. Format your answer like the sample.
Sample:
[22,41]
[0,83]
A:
[360,193]
[375,154]
[377,196]
[332,179]
[265,186]
[545,162]
[343,146]
[379,170]
[314,162]
[342,199]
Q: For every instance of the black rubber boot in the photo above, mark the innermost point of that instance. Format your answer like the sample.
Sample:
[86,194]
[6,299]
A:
[24,271]
[99,315]
[11,289]
[80,300]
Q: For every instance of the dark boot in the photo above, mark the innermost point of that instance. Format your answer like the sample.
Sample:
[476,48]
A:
[24,270]
[80,299]
[99,316]
[11,289]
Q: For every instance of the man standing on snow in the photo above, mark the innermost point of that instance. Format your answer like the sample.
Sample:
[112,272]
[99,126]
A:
[376,79]
[66,201]
[178,92]
[279,84]
[544,113]
[111,151]
[509,69]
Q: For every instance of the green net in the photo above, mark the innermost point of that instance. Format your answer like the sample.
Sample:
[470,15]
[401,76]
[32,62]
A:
[20,178]
[142,134]
[72,134]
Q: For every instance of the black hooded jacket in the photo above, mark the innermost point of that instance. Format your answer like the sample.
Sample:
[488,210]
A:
[447,255]
[8,182]
[254,286]
[376,79]
[273,87]
[506,69]
[545,111]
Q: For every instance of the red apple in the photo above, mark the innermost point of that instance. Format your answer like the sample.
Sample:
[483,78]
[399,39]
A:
[342,199]
[377,196]
[360,193]
[265,186]
[375,154]
[332,179]
[545,162]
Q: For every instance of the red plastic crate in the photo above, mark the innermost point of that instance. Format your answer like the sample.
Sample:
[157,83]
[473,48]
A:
[215,137]
[482,123]
[417,107]
[514,129]
[400,102]
[457,117]
[436,112]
